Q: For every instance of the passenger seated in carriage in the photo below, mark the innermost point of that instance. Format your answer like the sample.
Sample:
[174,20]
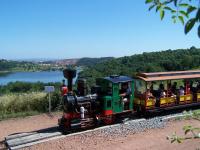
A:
[174,88]
[198,87]
[181,91]
[187,87]
[161,91]
[149,95]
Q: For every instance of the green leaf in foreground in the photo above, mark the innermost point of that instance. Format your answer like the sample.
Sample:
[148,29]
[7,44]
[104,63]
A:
[183,5]
[198,15]
[162,14]
[183,13]
[187,129]
[174,18]
[148,1]
[168,8]
[181,19]
[191,9]
[179,140]
[151,7]
[189,25]
[158,8]
[175,2]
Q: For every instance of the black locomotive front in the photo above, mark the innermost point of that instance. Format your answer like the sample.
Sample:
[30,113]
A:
[80,110]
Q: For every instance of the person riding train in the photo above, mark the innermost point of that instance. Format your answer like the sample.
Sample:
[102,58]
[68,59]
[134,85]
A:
[181,91]
[125,93]
[174,88]
[149,94]
[63,88]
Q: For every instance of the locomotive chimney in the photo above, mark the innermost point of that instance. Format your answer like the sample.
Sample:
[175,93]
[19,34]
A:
[82,87]
[69,74]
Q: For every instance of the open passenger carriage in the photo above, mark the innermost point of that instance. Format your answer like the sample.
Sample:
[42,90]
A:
[167,90]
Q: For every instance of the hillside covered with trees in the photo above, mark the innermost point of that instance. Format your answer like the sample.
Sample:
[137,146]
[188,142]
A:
[9,65]
[169,60]
[12,66]
[92,61]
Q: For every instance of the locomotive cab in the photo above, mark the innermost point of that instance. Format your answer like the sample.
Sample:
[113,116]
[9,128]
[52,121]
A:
[116,96]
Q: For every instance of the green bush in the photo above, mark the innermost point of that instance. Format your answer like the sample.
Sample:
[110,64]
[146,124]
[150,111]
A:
[21,87]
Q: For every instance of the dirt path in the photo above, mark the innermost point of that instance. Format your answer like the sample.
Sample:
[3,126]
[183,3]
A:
[154,139]
[27,124]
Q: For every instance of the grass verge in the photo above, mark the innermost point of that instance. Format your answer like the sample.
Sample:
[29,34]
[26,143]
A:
[26,104]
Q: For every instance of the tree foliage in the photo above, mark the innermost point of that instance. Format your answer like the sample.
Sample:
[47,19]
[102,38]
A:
[169,60]
[185,11]
[92,61]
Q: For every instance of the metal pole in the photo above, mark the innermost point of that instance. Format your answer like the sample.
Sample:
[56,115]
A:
[49,103]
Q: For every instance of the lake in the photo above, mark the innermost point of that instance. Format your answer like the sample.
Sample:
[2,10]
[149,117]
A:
[43,76]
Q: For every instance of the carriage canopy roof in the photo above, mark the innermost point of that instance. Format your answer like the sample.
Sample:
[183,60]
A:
[118,79]
[159,76]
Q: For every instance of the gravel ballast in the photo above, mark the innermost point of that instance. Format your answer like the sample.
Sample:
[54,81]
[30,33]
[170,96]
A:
[124,129]
[131,126]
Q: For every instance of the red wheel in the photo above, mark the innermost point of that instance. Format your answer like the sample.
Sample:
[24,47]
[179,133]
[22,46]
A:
[110,119]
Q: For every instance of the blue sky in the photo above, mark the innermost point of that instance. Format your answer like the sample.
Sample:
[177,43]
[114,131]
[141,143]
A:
[85,28]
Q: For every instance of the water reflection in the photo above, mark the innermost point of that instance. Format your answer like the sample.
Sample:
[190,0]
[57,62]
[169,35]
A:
[44,76]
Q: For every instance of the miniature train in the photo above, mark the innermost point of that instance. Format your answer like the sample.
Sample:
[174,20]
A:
[117,95]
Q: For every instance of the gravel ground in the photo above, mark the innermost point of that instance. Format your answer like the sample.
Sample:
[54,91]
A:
[130,127]
[120,135]
[112,138]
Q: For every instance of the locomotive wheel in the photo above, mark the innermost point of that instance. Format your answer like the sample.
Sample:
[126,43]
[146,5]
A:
[110,119]
[64,126]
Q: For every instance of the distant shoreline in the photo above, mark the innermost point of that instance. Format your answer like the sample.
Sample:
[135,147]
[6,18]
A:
[5,72]
[14,71]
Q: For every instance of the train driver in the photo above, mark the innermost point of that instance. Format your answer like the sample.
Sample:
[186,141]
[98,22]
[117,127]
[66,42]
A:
[125,91]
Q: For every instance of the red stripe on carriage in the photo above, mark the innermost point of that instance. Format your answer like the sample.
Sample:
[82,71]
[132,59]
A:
[108,112]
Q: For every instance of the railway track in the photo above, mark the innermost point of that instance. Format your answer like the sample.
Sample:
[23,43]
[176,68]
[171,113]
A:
[21,140]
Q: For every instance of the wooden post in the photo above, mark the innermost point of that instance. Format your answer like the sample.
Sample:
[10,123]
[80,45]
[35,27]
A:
[48,90]
[49,103]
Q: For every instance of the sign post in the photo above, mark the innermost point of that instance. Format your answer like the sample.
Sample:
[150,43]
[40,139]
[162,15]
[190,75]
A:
[49,90]
[49,102]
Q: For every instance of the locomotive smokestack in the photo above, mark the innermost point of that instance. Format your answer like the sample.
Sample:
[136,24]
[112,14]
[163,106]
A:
[69,74]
